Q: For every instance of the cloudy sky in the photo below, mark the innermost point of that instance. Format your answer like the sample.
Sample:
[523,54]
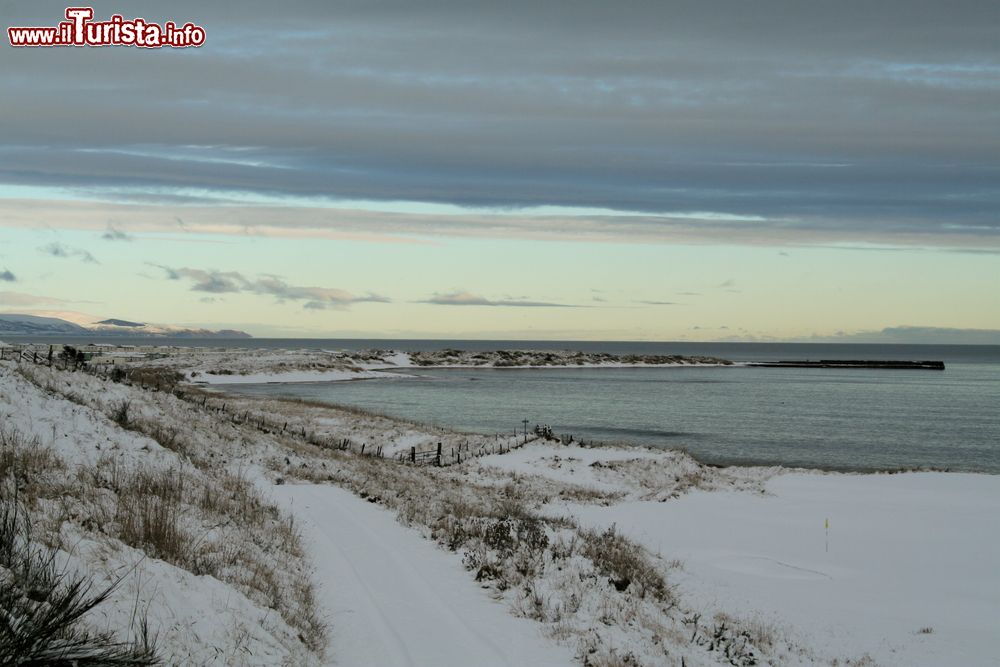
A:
[624,170]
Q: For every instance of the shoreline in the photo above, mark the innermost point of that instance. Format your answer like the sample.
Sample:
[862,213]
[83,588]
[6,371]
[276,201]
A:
[390,372]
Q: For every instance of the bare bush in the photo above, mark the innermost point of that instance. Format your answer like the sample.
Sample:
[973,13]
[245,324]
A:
[120,413]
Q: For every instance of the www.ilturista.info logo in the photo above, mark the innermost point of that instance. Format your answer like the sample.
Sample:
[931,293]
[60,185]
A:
[79,30]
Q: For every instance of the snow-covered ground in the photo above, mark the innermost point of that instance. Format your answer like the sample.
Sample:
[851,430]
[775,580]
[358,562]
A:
[231,365]
[83,454]
[911,576]
[395,600]
[626,473]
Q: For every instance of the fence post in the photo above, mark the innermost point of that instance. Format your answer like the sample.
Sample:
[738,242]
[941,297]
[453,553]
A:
[439,455]
[413,454]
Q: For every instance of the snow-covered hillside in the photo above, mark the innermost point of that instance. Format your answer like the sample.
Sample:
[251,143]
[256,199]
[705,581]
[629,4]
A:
[21,325]
[34,324]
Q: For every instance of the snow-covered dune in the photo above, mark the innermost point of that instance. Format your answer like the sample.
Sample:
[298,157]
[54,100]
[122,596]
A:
[289,376]
[911,576]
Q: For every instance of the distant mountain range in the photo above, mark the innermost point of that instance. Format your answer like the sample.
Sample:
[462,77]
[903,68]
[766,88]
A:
[17,325]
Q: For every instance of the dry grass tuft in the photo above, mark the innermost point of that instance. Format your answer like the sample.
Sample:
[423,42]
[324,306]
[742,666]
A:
[27,462]
[625,564]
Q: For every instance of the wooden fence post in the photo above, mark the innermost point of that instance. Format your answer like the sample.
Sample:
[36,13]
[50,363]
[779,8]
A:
[413,454]
[439,455]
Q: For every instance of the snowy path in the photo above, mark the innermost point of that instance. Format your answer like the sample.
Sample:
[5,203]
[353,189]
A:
[393,598]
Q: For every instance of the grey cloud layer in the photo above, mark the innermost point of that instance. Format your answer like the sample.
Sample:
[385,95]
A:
[851,115]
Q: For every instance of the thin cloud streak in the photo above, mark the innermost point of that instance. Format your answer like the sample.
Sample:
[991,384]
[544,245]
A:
[300,222]
[469,299]
[65,252]
[115,234]
[23,299]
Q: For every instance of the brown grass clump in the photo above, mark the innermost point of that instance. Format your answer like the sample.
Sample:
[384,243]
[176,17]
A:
[219,527]
[625,564]
[27,462]
[161,379]
[148,516]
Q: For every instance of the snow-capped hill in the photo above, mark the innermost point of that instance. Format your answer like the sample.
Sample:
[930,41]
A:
[33,324]
[16,324]
[120,323]
[119,327]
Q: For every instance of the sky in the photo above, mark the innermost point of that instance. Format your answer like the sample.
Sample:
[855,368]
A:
[573,170]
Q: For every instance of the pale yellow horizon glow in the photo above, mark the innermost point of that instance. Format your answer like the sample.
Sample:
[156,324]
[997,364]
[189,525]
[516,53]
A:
[637,286]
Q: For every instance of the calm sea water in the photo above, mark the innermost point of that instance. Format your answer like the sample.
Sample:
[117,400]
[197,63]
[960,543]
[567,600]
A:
[836,419]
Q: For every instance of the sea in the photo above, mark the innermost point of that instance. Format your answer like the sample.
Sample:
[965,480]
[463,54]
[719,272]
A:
[835,419]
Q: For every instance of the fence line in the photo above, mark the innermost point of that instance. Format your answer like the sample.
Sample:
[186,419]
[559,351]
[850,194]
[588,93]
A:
[439,456]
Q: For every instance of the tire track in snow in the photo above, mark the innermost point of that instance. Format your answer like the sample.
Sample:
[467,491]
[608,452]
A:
[394,598]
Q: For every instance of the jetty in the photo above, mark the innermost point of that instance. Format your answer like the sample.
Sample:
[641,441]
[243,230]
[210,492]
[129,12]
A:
[853,363]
